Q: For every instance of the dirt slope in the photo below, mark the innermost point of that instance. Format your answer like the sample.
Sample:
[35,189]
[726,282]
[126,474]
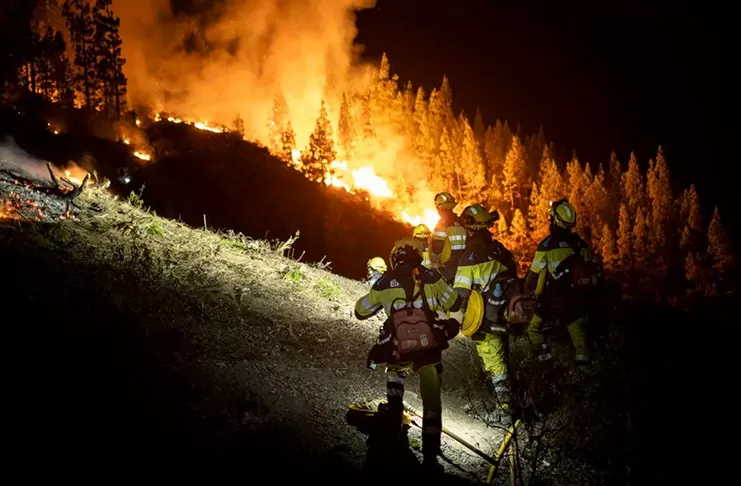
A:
[144,347]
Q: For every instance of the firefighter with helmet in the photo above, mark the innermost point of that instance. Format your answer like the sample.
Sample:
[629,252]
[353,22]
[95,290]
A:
[409,288]
[562,274]
[449,237]
[376,268]
[422,233]
[488,267]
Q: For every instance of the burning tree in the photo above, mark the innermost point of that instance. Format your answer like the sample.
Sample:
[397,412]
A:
[320,153]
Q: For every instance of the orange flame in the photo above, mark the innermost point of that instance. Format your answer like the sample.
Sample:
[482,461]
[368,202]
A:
[143,156]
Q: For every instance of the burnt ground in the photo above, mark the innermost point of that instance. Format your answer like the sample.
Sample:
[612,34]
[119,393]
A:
[144,347]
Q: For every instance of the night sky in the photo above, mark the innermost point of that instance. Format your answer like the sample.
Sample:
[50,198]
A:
[595,83]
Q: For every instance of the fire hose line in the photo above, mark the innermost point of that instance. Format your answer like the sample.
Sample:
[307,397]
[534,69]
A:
[494,461]
[457,438]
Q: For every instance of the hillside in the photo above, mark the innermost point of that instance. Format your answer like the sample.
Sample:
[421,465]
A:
[150,346]
[235,184]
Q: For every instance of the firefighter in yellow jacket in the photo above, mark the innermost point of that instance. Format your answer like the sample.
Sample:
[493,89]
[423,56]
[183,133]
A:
[561,259]
[422,233]
[408,286]
[448,239]
[488,267]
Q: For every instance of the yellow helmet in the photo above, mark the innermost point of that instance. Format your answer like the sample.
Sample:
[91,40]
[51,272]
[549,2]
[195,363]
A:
[422,232]
[477,217]
[445,200]
[378,264]
[408,250]
[562,213]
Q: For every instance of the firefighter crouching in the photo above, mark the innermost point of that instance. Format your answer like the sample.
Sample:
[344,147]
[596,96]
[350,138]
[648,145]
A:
[412,339]
[448,239]
[562,276]
[488,268]
[423,234]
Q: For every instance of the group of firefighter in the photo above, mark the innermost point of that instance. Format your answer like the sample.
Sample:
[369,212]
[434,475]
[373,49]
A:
[460,279]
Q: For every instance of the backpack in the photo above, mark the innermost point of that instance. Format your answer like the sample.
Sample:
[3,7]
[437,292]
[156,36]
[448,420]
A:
[521,303]
[581,275]
[412,327]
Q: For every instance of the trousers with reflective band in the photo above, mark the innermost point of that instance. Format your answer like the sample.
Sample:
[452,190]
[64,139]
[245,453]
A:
[430,380]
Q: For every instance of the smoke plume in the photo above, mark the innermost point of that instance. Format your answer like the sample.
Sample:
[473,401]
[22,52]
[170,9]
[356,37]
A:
[16,160]
[218,59]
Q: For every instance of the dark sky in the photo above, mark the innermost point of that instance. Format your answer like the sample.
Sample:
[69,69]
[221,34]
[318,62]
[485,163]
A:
[596,83]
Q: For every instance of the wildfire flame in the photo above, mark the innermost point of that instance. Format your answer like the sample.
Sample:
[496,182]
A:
[339,175]
[75,175]
[143,155]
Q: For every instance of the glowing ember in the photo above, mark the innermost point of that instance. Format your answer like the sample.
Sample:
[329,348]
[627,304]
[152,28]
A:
[127,142]
[138,122]
[204,126]
[75,175]
[56,132]
[142,155]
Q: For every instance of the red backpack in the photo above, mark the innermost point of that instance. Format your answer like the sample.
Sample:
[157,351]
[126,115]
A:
[412,326]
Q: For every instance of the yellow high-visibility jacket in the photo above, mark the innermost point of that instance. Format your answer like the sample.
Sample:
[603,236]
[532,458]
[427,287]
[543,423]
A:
[483,262]
[551,252]
[448,242]
[394,287]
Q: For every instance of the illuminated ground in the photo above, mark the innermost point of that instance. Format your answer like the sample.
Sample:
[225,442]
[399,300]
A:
[149,346]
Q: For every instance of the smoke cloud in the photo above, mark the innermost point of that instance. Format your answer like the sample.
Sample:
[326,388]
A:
[219,59]
[16,160]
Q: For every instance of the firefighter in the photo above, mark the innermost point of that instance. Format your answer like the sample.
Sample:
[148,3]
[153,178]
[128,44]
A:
[405,287]
[422,233]
[448,239]
[488,267]
[376,268]
[561,257]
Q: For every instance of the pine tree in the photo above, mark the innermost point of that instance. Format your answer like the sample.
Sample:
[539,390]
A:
[608,250]
[109,58]
[238,125]
[470,169]
[519,239]
[62,75]
[633,190]
[640,234]
[660,197]
[276,123]
[513,180]
[624,240]
[346,131]
[287,142]
[502,232]
[613,185]
[694,215]
[717,243]
[551,188]
[443,177]
[596,205]
[320,153]
[578,183]
[81,25]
